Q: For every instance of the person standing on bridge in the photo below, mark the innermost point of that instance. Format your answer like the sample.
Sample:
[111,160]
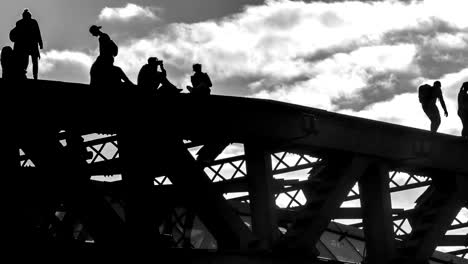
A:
[463,108]
[428,96]
[104,62]
[27,38]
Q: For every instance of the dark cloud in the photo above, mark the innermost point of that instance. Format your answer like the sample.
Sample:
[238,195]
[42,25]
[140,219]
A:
[380,87]
[234,85]
[270,83]
[434,60]
[435,63]
[283,19]
[418,34]
[322,54]
[330,19]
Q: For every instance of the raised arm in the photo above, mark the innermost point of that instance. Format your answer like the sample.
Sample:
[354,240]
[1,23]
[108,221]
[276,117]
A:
[442,102]
[163,71]
[38,35]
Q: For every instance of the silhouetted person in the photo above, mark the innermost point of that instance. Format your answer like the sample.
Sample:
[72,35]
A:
[149,78]
[6,62]
[104,62]
[109,76]
[107,46]
[201,82]
[428,96]
[117,78]
[27,38]
[167,88]
[10,68]
[463,108]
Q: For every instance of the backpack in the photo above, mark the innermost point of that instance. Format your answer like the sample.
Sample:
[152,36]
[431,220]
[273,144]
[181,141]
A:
[113,48]
[109,46]
[425,93]
[14,34]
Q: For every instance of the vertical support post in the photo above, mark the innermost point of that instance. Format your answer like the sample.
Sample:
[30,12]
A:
[141,207]
[262,199]
[377,214]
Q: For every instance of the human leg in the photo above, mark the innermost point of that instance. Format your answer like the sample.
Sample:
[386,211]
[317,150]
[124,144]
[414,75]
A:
[433,113]
[464,120]
[22,59]
[35,63]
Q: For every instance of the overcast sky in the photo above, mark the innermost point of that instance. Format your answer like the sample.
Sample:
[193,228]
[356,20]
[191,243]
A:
[363,58]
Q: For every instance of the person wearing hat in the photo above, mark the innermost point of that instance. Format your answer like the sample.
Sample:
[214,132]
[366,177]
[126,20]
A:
[104,63]
[27,41]
[107,46]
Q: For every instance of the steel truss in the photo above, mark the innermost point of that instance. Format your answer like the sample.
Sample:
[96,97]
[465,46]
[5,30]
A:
[277,191]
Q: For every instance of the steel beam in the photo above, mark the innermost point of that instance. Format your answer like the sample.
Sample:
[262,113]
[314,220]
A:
[433,216]
[261,195]
[241,119]
[377,214]
[195,188]
[311,221]
[65,179]
[143,212]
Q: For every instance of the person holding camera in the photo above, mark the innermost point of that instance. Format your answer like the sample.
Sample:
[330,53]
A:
[463,108]
[150,78]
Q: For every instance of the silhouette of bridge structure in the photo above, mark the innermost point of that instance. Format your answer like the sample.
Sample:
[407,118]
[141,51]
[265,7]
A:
[221,179]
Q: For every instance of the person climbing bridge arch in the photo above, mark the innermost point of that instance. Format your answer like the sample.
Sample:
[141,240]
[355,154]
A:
[428,96]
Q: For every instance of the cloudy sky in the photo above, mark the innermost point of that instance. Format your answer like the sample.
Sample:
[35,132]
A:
[363,58]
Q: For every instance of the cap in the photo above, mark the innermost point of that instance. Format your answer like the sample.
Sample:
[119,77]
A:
[94,28]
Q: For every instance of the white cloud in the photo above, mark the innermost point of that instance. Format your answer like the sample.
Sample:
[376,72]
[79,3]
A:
[318,54]
[130,11]
[263,41]
[51,58]
[65,65]
[73,57]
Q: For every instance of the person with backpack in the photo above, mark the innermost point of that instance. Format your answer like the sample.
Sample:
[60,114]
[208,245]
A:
[107,46]
[201,82]
[104,62]
[27,40]
[428,96]
[463,108]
